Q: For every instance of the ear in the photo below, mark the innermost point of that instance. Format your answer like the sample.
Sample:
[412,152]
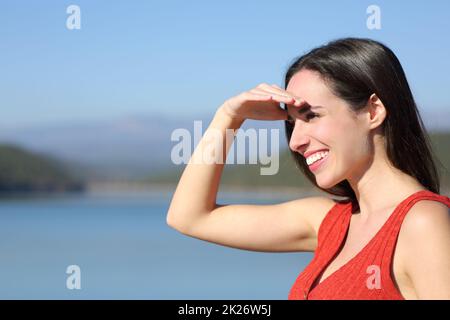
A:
[376,111]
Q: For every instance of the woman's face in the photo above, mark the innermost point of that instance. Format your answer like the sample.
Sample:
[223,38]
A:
[328,124]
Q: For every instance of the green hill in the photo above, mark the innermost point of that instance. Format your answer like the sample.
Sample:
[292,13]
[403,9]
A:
[441,149]
[23,171]
[289,176]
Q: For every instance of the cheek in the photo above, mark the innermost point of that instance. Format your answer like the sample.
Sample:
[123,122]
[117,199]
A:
[353,147]
[330,132]
[343,138]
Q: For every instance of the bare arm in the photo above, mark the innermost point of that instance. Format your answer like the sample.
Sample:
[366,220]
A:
[193,210]
[196,191]
[426,230]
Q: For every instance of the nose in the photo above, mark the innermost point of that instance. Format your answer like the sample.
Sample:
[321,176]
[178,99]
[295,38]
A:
[299,138]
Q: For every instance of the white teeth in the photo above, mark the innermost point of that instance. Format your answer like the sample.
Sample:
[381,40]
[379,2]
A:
[315,157]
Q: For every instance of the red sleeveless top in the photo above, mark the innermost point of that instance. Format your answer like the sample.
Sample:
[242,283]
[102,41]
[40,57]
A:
[367,275]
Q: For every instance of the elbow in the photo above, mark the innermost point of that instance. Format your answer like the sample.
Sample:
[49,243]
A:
[172,223]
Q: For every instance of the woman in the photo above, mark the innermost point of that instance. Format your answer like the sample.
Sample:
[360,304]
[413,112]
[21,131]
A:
[354,130]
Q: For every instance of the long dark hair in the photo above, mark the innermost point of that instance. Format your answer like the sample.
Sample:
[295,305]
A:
[354,69]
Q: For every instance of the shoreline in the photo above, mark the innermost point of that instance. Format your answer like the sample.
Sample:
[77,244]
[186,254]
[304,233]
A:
[166,190]
[224,190]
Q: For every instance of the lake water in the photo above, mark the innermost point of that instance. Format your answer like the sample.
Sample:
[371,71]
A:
[125,250]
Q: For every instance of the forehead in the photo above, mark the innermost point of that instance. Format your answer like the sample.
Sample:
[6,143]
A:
[310,86]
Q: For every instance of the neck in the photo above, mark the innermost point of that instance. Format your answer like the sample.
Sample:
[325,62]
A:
[379,186]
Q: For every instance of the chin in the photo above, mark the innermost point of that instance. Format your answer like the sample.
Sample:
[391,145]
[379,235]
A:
[325,184]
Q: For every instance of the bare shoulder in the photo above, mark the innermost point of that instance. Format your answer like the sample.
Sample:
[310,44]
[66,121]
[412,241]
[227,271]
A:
[423,249]
[426,220]
[425,216]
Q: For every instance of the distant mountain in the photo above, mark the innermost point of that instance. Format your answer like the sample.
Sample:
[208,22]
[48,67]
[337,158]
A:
[23,171]
[118,148]
[289,175]
[134,147]
[130,147]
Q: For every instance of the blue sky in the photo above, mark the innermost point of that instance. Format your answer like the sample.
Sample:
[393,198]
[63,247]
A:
[182,58]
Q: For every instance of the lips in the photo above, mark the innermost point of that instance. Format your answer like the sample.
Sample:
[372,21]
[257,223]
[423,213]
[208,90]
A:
[309,153]
[316,165]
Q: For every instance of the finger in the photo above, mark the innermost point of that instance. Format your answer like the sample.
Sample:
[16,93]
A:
[276,88]
[288,100]
[275,96]
[271,88]
[301,104]
[256,96]
[298,100]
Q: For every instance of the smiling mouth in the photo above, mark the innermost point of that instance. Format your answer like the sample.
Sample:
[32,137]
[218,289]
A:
[317,164]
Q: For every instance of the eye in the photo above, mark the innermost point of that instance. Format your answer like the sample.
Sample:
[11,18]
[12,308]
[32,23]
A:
[308,117]
[311,115]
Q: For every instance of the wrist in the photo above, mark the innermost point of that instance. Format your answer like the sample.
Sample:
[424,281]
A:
[224,112]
